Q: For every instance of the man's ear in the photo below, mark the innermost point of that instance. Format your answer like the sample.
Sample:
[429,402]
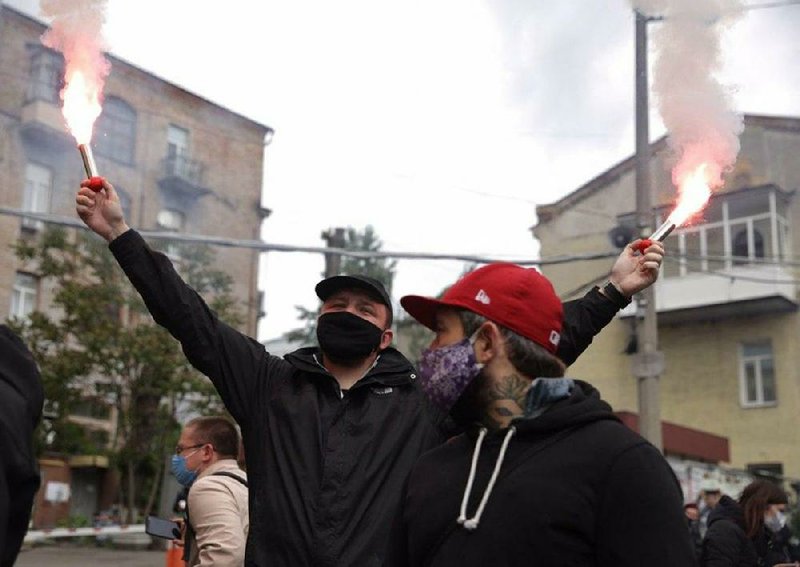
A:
[386,339]
[488,342]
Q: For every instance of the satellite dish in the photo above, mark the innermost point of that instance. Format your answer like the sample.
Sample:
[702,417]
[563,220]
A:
[620,236]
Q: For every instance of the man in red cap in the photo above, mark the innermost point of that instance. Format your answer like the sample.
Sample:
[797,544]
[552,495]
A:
[330,431]
[545,474]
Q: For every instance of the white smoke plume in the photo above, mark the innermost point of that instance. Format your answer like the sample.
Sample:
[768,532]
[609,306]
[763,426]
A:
[76,31]
[696,108]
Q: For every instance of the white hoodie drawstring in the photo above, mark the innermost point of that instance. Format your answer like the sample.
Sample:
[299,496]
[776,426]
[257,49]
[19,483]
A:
[472,523]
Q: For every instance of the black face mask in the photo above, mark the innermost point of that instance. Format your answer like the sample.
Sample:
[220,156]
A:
[347,338]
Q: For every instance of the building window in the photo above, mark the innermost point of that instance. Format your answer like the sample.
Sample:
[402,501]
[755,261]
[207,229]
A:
[115,132]
[45,76]
[767,471]
[757,374]
[38,191]
[745,250]
[177,141]
[23,297]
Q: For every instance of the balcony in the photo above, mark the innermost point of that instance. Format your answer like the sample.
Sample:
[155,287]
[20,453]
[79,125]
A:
[732,264]
[183,176]
[42,126]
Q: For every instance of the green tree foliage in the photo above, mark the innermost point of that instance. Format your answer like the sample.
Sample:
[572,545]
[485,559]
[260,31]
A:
[382,269]
[99,352]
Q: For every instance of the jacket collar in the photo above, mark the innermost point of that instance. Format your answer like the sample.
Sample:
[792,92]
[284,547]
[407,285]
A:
[228,465]
[391,369]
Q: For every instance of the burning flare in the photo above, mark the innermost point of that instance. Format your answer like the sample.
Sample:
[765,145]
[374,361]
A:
[693,194]
[81,106]
[694,191]
[76,31]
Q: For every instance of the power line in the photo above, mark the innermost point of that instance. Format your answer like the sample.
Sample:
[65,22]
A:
[262,246]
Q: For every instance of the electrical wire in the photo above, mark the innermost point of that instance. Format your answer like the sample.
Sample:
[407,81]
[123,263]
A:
[262,246]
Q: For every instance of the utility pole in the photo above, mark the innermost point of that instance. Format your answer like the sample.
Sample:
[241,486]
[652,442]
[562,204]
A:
[648,365]
[334,238]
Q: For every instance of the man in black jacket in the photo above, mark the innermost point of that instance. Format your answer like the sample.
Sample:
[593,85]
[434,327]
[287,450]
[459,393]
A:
[330,433]
[21,399]
[545,473]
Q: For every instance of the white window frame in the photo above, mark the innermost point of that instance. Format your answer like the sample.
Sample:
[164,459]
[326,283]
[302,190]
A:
[779,231]
[23,295]
[759,402]
[177,138]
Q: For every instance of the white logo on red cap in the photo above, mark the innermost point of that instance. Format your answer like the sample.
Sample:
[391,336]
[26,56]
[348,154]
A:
[483,297]
[555,338]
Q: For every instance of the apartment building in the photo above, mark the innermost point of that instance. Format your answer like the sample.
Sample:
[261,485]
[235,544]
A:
[179,162]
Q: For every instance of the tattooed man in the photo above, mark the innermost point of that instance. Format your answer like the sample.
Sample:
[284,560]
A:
[545,473]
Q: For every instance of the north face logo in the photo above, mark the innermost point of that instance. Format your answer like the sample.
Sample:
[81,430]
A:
[483,297]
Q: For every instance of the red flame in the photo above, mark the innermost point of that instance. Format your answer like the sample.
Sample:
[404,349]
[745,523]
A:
[81,105]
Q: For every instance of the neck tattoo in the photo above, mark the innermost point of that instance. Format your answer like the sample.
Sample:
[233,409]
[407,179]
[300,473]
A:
[504,400]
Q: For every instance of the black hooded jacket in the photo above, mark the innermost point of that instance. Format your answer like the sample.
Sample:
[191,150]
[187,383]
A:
[726,543]
[326,467]
[575,487]
[21,399]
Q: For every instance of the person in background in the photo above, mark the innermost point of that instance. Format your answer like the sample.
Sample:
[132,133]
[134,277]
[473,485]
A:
[710,495]
[217,520]
[693,521]
[21,402]
[749,533]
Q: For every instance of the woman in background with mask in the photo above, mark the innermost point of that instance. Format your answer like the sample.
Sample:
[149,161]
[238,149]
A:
[752,532]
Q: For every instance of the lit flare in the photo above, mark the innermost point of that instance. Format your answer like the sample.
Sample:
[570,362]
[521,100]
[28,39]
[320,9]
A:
[81,106]
[694,191]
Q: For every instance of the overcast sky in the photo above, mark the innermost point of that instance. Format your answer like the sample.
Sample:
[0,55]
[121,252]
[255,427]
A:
[440,122]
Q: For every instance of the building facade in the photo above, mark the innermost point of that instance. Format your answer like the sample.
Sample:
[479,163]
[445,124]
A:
[726,299]
[179,163]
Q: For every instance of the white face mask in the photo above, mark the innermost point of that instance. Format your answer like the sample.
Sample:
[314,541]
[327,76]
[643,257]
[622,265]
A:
[775,522]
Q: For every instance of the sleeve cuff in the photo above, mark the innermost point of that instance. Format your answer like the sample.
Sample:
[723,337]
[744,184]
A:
[611,293]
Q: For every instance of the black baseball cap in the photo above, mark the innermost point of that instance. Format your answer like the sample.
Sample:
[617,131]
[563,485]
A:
[331,285]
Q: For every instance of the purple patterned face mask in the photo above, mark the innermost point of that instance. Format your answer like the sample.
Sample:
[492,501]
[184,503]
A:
[445,372]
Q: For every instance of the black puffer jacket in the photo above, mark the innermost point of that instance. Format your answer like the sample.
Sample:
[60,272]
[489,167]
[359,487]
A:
[21,399]
[726,543]
[326,467]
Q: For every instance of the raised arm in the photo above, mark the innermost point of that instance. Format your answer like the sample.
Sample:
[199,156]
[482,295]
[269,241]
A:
[586,317]
[233,361]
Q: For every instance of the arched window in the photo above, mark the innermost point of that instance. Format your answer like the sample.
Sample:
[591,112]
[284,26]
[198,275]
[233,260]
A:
[115,131]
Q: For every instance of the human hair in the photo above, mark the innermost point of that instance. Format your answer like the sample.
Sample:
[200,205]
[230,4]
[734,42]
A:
[218,431]
[526,356]
[754,501]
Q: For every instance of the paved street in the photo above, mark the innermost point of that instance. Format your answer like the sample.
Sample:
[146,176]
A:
[68,556]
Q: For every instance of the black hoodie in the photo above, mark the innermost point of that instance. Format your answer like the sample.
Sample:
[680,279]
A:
[575,487]
[21,399]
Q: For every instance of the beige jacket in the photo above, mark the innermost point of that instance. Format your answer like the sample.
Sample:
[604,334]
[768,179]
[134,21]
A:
[218,513]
